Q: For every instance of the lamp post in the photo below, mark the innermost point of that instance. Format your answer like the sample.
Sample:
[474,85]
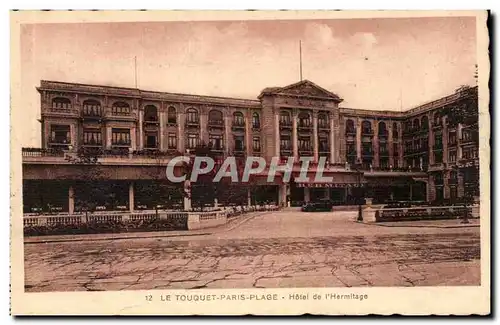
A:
[357,168]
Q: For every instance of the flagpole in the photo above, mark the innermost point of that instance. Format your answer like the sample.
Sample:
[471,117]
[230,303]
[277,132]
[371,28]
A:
[135,70]
[300,58]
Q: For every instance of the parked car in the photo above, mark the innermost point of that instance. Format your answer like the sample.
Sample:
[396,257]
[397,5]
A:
[322,205]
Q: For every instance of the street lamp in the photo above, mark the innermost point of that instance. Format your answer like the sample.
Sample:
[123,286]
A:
[357,167]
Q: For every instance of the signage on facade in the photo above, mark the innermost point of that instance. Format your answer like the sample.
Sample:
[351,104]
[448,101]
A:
[328,185]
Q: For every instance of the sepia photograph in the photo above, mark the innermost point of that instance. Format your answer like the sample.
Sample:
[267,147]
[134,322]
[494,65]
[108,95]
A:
[175,156]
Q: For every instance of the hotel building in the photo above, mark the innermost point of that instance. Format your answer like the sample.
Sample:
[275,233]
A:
[411,155]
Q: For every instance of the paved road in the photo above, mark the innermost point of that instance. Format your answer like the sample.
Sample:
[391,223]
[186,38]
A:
[283,249]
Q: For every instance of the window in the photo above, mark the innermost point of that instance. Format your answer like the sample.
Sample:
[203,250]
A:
[452,137]
[438,179]
[366,149]
[150,113]
[285,118]
[91,108]
[120,108]
[416,124]
[395,132]
[305,143]
[467,135]
[285,142]
[238,119]
[192,141]
[424,125]
[323,120]
[239,143]
[172,140]
[304,119]
[192,116]
[92,137]
[216,141]
[171,116]
[349,127]
[382,129]
[438,157]
[383,149]
[351,149]
[469,153]
[215,118]
[323,143]
[151,140]
[256,144]
[61,103]
[452,156]
[395,149]
[384,162]
[255,121]
[437,119]
[59,134]
[438,141]
[120,137]
[366,127]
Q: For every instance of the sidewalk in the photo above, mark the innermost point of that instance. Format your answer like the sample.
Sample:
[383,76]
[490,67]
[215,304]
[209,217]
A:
[231,224]
[449,223]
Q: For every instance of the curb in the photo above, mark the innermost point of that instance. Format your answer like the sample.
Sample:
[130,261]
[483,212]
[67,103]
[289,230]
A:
[149,236]
[421,226]
[145,235]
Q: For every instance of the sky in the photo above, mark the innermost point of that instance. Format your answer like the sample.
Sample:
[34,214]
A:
[374,64]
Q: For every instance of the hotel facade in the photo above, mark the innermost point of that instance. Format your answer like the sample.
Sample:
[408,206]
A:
[411,155]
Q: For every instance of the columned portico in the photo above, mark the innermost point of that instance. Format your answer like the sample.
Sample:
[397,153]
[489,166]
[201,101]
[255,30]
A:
[332,138]
[295,136]
[315,135]
[131,197]
[71,200]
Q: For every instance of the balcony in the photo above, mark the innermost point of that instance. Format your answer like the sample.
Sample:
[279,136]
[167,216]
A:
[66,112]
[238,126]
[59,142]
[93,143]
[257,150]
[324,154]
[367,153]
[192,124]
[172,122]
[151,120]
[256,127]
[216,124]
[323,126]
[304,152]
[121,144]
[239,152]
[470,138]
[368,132]
[304,126]
[92,116]
[350,131]
[285,152]
[285,124]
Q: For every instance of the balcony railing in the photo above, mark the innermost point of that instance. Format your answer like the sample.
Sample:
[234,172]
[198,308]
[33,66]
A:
[39,152]
[286,152]
[350,131]
[153,120]
[285,124]
[62,142]
[192,123]
[366,132]
[238,126]
[255,127]
[323,126]
[216,123]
